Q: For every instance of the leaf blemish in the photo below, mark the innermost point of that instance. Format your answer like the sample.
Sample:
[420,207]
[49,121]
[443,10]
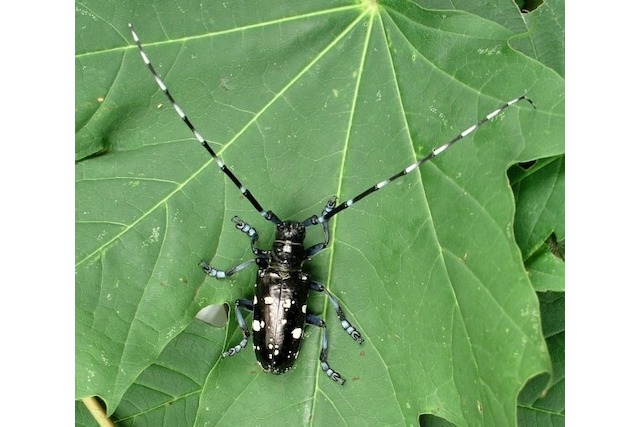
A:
[489,52]
[153,238]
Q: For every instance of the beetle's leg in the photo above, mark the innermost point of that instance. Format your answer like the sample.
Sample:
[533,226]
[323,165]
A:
[312,250]
[261,255]
[346,325]
[244,303]
[253,235]
[315,320]
[221,274]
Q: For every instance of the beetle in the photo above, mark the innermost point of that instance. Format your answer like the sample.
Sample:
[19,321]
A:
[281,288]
[280,298]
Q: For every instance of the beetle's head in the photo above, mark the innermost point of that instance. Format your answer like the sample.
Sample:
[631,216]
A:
[288,247]
[290,231]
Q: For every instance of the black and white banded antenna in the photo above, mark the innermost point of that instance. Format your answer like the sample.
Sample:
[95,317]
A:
[328,214]
[269,215]
[329,210]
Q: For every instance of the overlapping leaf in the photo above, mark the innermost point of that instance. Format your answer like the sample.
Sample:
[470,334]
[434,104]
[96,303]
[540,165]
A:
[539,221]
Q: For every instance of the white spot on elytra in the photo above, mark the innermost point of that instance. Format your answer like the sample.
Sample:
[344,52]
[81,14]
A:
[296,333]
[268,300]
[256,325]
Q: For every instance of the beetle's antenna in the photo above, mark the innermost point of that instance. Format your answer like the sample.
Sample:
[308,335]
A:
[327,215]
[269,215]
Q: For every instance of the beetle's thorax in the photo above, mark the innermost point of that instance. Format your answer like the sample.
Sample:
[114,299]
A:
[288,248]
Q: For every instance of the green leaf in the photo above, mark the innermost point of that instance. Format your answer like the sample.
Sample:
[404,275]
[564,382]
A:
[539,221]
[541,402]
[168,392]
[83,417]
[540,31]
[303,101]
[545,40]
